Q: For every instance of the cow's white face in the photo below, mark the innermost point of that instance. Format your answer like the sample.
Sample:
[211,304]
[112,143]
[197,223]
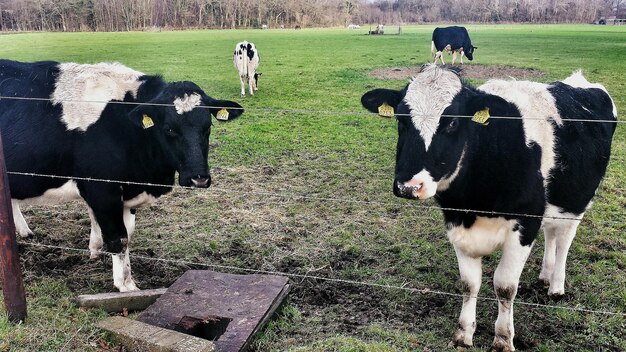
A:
[433,133]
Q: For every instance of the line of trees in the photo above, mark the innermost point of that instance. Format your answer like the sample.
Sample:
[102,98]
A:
[126,15]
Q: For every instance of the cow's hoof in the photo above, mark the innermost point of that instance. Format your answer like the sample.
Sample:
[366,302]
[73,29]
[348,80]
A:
[557,295]
[459,341]
[95,254]
[129,287]
[502,344]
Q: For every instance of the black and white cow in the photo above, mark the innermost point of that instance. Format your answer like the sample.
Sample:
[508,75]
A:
[80,132]
[515,175]
[246,60]
[455,39]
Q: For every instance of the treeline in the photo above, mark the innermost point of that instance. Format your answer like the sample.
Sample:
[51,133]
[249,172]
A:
[126,15]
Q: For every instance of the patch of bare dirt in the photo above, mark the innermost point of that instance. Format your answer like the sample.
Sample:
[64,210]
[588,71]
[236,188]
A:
[467,71]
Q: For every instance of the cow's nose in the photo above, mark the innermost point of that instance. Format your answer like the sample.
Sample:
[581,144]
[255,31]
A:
[200,181]
[405,190]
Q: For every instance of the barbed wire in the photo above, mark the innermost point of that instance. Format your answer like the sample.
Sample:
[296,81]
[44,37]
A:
[299,196]
[335,280]
[300,111]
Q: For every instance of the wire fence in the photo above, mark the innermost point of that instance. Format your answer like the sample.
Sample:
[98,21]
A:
[308,111]
[424,291]
[317,198]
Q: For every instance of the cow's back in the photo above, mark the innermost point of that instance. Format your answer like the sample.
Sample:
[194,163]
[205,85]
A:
[35,140]
[454,36]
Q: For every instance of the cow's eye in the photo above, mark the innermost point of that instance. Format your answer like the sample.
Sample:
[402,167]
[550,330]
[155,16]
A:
[453,125]
[170,132]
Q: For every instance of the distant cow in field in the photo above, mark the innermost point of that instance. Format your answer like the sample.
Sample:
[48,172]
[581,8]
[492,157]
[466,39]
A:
[500,180]
[105,122]
[246,60]
[455,39]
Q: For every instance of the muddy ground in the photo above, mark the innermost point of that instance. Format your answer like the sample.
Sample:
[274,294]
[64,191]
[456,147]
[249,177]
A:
[473,71]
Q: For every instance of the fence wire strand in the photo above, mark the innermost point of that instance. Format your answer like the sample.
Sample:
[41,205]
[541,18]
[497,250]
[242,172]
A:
[300,196]
[299,111]
[335,280]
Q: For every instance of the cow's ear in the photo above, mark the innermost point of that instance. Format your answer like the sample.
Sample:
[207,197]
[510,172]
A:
[377,98]
[145,116]
[223,110]
[482,106]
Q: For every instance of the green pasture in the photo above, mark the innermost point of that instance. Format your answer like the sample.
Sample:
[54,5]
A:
[351,227]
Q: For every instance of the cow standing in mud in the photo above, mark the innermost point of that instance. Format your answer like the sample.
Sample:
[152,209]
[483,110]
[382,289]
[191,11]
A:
[539,167]
[103,121]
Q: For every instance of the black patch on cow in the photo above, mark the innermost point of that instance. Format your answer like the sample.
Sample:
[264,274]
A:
[583,148]
[455,36]
[250,52]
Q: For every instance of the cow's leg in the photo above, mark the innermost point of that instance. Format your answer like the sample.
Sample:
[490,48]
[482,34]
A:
[251,84]
[471,276]
[462,54]
[108,211]
[506,280]
[21,227]
[243,85]
[95,237]
[453,57]
[564,235]
[441,58]
[549,254]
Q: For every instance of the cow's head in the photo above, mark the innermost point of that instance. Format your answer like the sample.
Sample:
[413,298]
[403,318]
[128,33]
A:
[433,130]
[470,52]
[256,78]
[178,120]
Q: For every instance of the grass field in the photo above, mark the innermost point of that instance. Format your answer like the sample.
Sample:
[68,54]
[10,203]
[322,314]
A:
[371,237]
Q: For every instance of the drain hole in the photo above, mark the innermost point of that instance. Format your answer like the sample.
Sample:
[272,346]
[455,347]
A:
[210,328]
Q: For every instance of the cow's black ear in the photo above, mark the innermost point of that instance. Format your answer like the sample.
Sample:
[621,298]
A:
[145,116]
[376,98]
[224,110]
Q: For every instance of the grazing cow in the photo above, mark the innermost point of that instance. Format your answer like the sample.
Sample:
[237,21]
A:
[72,127]
[246,59]
[455,39]
[513,175]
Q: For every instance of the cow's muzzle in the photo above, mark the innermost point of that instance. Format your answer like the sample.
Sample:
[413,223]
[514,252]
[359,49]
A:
[403,191]
[200,181]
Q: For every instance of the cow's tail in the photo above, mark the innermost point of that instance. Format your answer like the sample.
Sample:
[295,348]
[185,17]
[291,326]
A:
[246,59]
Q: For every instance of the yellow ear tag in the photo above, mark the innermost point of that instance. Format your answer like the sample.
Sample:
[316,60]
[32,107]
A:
[147,121]
[222,115]
[482,117]
[386,110]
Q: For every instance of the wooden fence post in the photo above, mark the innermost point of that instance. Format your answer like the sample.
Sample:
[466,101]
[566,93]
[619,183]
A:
[10,270]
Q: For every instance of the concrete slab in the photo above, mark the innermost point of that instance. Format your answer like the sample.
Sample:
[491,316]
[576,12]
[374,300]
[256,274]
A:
[136,336]
[117,301]
[226,308]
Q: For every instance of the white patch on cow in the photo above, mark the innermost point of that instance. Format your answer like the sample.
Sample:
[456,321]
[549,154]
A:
[69,191]
[577,80]
[538,108]
[140,200]
[445,182]
[422,185]
[483,237]
[96,242]
[21,227]
[122,278]
[84,90]
[187,103]
[559,234]
[129,221]
[428,95]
